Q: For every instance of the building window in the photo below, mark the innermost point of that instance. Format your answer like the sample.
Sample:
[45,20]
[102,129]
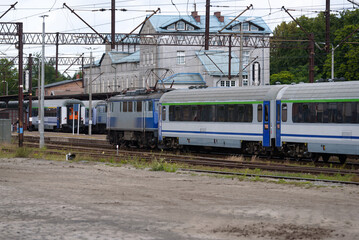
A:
[222,83]
[171,27]
[181,57]
[245,26]
[254,28]
[181,25]
[189,27]
[233,83]
[236,27]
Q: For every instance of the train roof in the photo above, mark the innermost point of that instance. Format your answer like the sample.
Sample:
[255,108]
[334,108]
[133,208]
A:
[156,95]
[57,102]
[320,91]
[238,94]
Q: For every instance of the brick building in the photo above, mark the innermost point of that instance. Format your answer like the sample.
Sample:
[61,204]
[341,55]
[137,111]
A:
[67,87]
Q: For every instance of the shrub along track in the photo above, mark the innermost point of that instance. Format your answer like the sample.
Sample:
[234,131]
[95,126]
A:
[102,150]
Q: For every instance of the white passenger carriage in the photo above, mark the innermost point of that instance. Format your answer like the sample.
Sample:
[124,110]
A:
[320,119]
[58,114]
[220,117]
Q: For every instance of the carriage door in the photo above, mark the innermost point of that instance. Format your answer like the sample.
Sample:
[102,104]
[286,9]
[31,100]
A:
[58,117]
[266,124]
[278,124]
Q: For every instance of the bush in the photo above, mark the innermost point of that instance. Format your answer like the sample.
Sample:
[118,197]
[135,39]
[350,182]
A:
[22,152]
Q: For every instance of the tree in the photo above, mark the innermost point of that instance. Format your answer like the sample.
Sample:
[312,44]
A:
[9,74]
[293,57]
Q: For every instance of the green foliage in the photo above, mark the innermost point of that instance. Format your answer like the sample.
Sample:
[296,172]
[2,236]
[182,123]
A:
[8,73]
[293,57]
[23,152]
[161,165]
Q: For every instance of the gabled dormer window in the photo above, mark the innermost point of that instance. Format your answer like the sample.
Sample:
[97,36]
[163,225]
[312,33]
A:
[181,25]
[246,26]
[254,28]
[171,27]
[190,27]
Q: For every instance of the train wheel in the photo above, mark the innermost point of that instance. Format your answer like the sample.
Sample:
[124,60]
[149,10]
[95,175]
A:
[325,158]
[342,159]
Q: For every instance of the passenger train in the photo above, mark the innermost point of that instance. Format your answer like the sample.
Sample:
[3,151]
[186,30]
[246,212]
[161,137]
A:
[317,120]
[301,121]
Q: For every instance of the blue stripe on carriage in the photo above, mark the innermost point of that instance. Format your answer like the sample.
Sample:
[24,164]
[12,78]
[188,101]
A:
[217,133]
[319,136]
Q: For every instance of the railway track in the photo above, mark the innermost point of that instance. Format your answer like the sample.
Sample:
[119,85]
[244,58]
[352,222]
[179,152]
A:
[101,150]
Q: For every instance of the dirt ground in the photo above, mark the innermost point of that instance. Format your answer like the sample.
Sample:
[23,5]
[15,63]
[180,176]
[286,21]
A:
[42,199]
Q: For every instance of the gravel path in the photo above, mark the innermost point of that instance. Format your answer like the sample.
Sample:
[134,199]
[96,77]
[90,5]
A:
[42,199]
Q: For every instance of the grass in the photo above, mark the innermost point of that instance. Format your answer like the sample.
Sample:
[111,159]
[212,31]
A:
[11,151]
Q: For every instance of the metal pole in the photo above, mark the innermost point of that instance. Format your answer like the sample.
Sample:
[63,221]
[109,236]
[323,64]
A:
[230,58]
[42,92]
[78,118]
[21,96]
[327,25]
[30,88]
[240,73]
[57,56]
[333,49]
[206,36]
[113,24]
[90,96]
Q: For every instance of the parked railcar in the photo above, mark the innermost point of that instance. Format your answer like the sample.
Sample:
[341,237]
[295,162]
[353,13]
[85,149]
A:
[59,114]
[50,114]
[220,117]
[70,115]
[132,119]
[99,116]
[320,119]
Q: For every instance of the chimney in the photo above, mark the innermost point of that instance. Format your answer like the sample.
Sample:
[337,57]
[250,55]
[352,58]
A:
[218,15]
[196,16]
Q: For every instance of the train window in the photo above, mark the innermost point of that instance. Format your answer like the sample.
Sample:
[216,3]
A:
[259,113]
[221,113]
[266,113]
[186,114]
[232,113]
[248,113]
[284,112]
[194,113]
[129,107]
[139,106]
[332,112]
[124,106]
[150,106]
[164,113]
[177,113]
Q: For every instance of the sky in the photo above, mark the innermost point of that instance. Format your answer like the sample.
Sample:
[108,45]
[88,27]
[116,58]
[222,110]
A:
[60,19]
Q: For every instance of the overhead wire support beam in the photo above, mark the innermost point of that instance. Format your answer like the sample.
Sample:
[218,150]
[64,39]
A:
[63,61]
[73,11]
[11,7]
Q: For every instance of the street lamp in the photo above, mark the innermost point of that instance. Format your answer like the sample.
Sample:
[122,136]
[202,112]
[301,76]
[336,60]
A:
[333,49]
[7,87]
[42,92]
